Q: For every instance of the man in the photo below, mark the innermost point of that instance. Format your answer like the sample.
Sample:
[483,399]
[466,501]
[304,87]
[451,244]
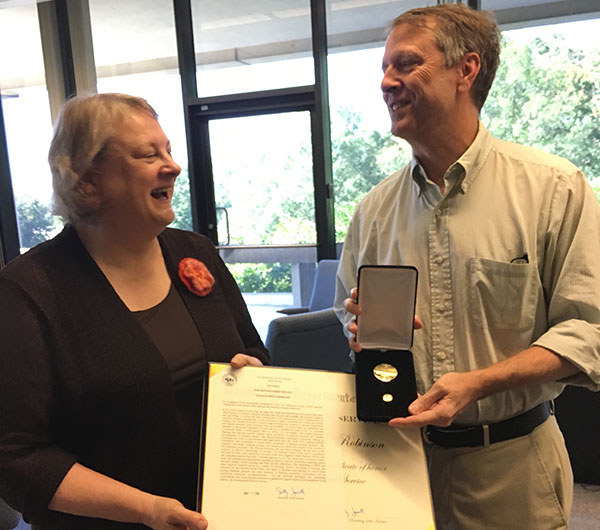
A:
[506,240]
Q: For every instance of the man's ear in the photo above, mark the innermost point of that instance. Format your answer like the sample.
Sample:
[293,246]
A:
[469,69]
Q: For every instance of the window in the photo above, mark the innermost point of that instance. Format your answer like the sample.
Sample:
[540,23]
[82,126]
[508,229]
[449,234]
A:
[28,123]
[363,150]
[547,92]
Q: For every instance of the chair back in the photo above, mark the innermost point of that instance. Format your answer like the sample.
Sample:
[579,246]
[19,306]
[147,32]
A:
[323,291]
[309,340]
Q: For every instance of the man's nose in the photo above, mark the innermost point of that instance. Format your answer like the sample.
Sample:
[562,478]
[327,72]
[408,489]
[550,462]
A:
[390,81]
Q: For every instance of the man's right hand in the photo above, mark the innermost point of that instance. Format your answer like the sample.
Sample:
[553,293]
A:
[351,305]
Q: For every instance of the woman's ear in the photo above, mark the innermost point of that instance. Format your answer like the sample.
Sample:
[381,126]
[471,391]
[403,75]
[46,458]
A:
[89,183]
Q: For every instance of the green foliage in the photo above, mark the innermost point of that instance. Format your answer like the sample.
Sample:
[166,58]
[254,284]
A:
[269,197]
[181,202]
[356,157]
[547,95]
[361,159]
[262,277]
[36,223]
[596,188]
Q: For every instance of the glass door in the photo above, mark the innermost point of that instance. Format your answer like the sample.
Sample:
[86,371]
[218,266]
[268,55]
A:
[261,175]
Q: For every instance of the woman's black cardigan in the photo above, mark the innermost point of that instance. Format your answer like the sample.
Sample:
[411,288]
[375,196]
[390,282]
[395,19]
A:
[81,381]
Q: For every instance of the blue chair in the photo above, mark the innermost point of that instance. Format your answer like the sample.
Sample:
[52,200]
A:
[311,337]
[309,340]
[323,290]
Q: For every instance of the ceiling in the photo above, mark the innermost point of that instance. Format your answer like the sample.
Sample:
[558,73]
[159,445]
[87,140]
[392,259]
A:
[142,32]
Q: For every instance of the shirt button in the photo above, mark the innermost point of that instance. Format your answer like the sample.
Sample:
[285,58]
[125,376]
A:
[439,259]
[440,308]
[442,356]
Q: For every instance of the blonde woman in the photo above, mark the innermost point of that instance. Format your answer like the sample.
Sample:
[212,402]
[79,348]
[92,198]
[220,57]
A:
[110,327]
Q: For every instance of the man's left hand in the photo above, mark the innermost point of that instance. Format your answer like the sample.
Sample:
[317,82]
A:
[448,396]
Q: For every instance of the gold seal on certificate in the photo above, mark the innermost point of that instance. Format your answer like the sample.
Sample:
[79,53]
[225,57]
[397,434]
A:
[283,448]
[385,374]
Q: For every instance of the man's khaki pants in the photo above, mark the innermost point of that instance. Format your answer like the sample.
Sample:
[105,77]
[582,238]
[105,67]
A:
[520,484]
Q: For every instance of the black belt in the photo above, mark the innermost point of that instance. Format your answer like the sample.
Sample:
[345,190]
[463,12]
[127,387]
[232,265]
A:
[477,435]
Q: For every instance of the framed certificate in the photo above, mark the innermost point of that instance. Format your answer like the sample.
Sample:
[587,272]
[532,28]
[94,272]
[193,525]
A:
[283,448]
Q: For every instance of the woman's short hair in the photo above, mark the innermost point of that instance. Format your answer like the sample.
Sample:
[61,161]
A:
[459,30]
[81,133]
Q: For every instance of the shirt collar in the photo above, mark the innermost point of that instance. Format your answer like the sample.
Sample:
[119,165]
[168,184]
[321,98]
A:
[418,175]
[465,169]
[473,158]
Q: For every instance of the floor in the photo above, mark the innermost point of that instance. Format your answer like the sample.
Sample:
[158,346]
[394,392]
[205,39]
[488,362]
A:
[585,514]
[263,308]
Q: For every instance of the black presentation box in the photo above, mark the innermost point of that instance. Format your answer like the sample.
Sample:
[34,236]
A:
[385,373]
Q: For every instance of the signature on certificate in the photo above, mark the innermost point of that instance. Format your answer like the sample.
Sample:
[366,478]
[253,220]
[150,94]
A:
[354,512]
[290,493]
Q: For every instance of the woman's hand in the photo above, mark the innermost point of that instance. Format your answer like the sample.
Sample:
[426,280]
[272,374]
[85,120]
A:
[91,494]
[241,359]
[170,514]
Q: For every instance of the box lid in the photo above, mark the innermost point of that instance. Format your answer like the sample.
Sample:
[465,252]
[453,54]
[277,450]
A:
[387,297]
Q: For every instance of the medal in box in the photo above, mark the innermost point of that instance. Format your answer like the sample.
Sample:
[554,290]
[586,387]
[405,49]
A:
[385,374]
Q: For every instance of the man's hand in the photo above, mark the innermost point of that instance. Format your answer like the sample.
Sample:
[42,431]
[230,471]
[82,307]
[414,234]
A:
[351,305]
[241,359]
[448,396]
[170,514]
[454,391]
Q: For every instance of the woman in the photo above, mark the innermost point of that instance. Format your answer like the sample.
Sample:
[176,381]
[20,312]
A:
[106,347]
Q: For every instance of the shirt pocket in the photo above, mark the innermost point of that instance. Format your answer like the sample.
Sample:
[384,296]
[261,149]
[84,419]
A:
[502,295]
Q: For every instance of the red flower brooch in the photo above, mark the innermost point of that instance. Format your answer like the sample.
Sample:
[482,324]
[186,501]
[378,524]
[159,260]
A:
[195,276]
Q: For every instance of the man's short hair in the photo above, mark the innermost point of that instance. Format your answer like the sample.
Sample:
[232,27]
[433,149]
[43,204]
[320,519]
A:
[459,30]
[81,133]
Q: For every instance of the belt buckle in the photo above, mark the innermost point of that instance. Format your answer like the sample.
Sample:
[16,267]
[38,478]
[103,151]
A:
[425,435]
[486,435]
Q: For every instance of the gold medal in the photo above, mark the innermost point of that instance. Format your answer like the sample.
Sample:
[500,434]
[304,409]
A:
[385,372]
